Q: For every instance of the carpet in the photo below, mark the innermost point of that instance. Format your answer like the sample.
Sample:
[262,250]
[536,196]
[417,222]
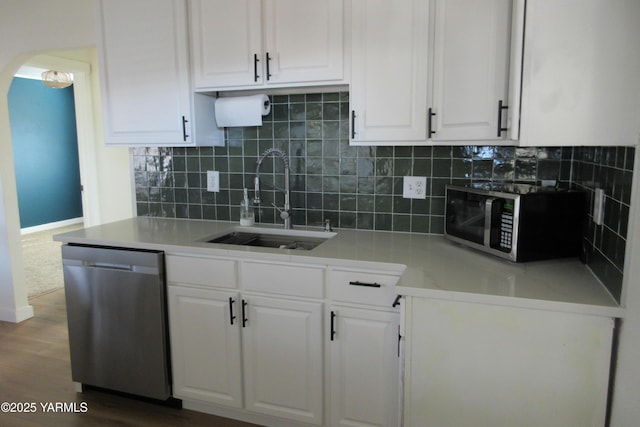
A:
[43,260]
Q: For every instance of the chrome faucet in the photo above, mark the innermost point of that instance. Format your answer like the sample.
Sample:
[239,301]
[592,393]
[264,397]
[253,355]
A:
[285,212]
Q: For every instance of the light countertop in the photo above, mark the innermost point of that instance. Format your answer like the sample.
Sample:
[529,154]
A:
[431,266]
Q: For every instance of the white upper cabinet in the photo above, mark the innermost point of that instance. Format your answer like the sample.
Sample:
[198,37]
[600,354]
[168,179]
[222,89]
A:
[580,82]
[304,40]
[389,65]
[226,41]
[250,43]
[471,68]
[144,72]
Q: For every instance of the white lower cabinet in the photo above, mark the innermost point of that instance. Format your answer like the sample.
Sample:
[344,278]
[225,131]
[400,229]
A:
[289,344]
[487,365]
[205,344]
[364,348]
[283,362]
[364,367]
[247,349]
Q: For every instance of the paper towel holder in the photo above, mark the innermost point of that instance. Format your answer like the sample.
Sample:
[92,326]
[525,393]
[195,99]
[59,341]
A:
[240,111]
[266,103]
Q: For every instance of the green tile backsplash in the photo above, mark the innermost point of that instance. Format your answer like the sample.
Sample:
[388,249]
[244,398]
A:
[609,168]
[361,187]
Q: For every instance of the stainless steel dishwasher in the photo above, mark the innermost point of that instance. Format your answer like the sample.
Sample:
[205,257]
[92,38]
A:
[116,312]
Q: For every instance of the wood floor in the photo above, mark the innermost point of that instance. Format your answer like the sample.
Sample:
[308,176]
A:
[35,368]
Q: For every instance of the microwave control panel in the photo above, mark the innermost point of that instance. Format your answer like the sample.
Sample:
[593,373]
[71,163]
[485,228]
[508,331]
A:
[502,225]
[506,230]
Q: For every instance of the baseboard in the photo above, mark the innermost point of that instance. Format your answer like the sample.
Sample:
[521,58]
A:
[16,315]
[51,225]
[239,414]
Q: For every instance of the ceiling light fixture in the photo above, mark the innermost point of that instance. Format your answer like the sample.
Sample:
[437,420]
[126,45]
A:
[57,79]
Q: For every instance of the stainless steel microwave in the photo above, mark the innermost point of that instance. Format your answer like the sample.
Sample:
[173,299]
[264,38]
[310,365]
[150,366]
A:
[516,221]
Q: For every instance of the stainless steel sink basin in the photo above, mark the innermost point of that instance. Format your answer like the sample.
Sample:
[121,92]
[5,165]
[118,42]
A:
[272,238]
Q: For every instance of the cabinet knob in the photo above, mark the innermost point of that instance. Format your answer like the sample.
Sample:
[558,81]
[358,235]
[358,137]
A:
[184,129]
[268,65]
[430,130]
[365,284]
[333,325]
[231,316]
[353,124]
[396,302]
[500,108]
[255,67]
[244,313]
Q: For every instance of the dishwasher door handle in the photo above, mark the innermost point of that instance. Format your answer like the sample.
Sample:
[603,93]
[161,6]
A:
[107,265]
[140,269]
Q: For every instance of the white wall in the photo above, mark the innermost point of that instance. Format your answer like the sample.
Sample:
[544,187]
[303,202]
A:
[111,165]
[27,28]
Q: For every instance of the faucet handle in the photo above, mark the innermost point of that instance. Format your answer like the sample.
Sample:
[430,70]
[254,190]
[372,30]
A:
[283,213]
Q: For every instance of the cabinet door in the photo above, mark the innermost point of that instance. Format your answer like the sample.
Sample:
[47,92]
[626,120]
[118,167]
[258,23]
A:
[304,40]
[580,82]
[282,345]
[471,62]
[486,365]
[143,58]
[226,40]
[389,71]
[205,345]
[365,367]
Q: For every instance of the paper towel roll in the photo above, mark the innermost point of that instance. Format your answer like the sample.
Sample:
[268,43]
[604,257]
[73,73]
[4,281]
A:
[242,110]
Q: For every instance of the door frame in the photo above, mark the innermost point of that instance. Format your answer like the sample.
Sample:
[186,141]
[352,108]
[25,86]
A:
[83,99]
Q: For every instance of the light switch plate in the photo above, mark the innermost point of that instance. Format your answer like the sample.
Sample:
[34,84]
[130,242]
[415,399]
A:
[213,181]
[414,187]
[598,206]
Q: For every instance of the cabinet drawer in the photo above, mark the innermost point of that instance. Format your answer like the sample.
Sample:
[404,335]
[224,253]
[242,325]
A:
[289,279]
[218,272]
[362,287]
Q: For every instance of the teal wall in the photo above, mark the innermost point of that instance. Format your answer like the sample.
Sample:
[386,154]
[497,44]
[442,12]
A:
[45,152]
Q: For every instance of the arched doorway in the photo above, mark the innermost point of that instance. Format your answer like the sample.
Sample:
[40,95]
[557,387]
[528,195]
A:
[12,253]
[83,97]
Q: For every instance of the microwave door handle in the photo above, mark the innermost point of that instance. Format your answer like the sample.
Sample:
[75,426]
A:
[488,208]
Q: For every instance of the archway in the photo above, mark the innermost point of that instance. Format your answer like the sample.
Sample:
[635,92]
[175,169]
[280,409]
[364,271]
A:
[12,284]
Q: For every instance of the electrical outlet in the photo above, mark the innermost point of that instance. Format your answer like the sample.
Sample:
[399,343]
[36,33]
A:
[414,187]
[213,181]
[598,206]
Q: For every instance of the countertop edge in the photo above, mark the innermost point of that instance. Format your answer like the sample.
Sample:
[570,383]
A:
[357,249]
[519,302]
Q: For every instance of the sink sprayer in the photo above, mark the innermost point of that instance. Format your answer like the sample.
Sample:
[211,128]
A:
[285,212]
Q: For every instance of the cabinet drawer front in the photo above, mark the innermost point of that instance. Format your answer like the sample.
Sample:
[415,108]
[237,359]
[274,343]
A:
[289,279]
[362,287]
[218,272]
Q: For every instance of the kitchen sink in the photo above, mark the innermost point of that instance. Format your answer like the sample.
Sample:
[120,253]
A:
[272,238]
